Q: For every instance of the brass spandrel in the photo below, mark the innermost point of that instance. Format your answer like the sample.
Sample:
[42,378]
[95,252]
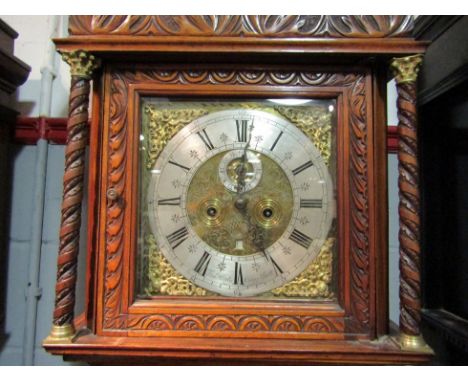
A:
[313,121]
[315,281]
[163,279]
[163,124]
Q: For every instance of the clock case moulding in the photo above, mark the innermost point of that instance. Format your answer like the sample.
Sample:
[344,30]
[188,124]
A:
[342,57]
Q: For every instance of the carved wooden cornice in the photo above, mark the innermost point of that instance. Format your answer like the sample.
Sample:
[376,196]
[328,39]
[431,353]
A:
[253,35]
[307,26]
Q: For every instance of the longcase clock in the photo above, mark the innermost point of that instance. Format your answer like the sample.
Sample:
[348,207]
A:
[237,191]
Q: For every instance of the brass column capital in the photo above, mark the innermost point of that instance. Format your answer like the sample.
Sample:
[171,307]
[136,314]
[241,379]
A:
[405,69]
[82,63]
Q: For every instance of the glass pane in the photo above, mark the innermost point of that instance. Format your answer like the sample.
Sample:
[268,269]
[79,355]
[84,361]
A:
[237,198]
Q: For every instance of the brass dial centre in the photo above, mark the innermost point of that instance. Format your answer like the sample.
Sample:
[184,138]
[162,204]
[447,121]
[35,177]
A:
[239,223]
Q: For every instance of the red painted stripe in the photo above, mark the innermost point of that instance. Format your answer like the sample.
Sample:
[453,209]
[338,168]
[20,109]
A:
[392,139]
[29,130]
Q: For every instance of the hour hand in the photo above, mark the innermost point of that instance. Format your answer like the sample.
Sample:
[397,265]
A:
[242,169]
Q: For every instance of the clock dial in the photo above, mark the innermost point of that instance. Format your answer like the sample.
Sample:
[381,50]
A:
[240,202]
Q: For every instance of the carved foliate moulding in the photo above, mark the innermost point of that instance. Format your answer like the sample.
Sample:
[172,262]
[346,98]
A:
[405,69]
[82,64]
[281,26]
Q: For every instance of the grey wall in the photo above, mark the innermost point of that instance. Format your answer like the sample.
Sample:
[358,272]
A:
[37,97]
[394,272]
[24,159]
[393,247]
[18,256]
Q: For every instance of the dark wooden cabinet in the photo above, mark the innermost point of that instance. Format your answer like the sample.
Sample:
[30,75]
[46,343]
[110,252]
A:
[443,110]
[205,59]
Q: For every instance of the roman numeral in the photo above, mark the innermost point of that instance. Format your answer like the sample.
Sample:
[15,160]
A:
[276,141]
[169,202]
[206,139]
[242,130]
[238,279]
[276,267]
[300,238]
[311,203]
[179,165]
[303,167]
[202,264]
[178,237]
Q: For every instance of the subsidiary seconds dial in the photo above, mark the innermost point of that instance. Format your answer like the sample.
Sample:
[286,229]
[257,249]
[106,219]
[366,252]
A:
[240,202]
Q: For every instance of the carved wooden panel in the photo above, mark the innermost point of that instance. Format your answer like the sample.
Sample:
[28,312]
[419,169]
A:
[238,323]
[359,217]
[248,26]
[115,305]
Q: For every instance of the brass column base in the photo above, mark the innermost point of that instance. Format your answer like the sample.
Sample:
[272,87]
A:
[61,334]
[413,343]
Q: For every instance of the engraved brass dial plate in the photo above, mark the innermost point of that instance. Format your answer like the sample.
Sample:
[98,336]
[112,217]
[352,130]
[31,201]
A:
[253,204]
[218,222]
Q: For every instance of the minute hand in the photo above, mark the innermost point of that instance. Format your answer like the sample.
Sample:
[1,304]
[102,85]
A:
[241,171]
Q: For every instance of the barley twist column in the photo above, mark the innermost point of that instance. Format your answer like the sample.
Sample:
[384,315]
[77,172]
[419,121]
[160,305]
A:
[82,66]
[406,70]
